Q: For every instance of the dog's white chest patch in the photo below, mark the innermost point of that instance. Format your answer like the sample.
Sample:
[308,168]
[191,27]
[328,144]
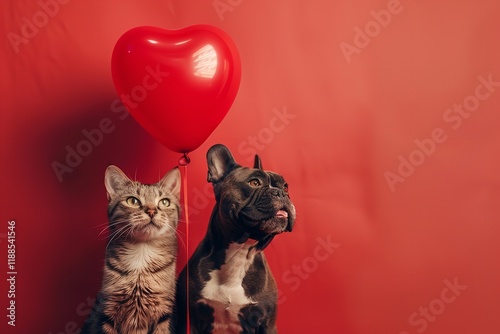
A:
[224,290]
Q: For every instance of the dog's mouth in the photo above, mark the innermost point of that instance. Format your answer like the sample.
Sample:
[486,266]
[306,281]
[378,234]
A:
[265,229]
[276,224]
[281,214]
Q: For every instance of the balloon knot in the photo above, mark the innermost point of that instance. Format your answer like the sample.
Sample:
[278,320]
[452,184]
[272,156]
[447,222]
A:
[184,160]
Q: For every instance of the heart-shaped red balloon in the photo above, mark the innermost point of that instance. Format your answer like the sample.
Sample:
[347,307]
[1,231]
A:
[178,84]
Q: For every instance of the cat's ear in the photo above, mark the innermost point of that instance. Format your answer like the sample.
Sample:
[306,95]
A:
[114,179]
[171,182]
[220,162]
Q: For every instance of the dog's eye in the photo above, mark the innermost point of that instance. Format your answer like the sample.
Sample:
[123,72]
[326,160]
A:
[133,202]
[164,202]
[254,182]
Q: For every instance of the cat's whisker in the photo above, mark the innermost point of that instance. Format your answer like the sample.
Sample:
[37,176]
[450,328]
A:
[107,227]
[126,231]
[114,220]
[129,232]
[102,231]
[117,234]
[183,243]
[178,235]
[111,238]
[101,225]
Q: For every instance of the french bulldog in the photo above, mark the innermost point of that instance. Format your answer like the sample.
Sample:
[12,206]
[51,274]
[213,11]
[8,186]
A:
[231,287]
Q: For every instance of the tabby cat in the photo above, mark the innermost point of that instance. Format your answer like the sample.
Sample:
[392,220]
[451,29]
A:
[138,288]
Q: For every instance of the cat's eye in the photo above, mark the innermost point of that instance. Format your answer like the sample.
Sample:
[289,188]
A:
[254,182]
[134,202]
[164,202]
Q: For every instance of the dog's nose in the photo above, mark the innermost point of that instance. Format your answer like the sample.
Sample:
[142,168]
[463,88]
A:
[277,192]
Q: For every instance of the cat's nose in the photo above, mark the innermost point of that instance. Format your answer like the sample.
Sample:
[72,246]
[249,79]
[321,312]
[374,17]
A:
[151,212]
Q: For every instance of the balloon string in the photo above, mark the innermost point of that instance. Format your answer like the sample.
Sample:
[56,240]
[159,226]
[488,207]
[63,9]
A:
[186,219]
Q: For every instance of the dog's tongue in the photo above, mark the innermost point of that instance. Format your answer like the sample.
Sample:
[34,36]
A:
[282,214]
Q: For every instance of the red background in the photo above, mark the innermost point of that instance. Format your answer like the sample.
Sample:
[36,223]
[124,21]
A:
[351,118]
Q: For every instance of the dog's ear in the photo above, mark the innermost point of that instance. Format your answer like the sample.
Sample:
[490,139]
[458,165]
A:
[257,163]
[220,162]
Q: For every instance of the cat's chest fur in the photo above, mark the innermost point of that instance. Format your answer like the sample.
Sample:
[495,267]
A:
[224,291]
[138,257]
[138,281]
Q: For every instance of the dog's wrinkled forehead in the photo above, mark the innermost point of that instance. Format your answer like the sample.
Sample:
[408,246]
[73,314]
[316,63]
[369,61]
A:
[276,179]
[245,174]
[222,168]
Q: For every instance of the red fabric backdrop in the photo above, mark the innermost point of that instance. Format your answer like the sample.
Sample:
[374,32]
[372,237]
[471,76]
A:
[382,115]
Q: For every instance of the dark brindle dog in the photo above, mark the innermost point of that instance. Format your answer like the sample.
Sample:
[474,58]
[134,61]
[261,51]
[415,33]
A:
[231,287]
